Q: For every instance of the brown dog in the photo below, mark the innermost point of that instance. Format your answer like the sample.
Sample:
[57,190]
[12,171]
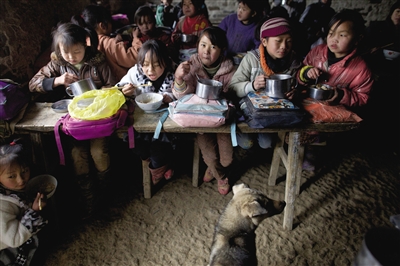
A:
[234,240]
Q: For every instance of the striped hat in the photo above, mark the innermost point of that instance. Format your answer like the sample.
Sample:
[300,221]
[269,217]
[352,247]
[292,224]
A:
[274,27]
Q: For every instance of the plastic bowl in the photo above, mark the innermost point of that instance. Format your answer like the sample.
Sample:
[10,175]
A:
[45,184]
[390,54]
[319,93]
[149,101]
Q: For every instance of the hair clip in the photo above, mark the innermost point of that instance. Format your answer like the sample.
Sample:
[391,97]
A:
[12,143]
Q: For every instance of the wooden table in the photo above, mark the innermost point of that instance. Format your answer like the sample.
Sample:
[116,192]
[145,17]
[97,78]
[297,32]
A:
[40,118]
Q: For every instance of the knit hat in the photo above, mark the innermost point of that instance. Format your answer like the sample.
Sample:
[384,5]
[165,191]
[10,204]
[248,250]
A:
[274,27]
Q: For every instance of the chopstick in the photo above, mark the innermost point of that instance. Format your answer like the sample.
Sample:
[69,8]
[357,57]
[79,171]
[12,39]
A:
[377,48]
[40,204]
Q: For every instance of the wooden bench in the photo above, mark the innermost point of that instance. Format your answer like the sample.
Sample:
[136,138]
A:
[40,118]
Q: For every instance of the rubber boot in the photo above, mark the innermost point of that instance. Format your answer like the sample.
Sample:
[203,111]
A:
[158,173]
[87,195]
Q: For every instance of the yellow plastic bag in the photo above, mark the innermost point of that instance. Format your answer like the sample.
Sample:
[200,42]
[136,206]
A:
[96,104]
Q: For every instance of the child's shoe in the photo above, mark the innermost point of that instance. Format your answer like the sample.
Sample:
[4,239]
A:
[223,186]
[208,176]
[169,174]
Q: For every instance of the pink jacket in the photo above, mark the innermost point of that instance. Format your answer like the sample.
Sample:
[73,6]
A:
[351,74]
[119,57]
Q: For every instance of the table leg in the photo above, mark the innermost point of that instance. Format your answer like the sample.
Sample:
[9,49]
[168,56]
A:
[292,172]
[146,179]
[38,154]
[196,163]
[276,159]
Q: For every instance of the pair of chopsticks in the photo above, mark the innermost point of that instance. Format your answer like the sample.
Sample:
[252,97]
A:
[120,87]
[377,48]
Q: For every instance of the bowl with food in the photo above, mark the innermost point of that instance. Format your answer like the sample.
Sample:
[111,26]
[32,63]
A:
[390,54]
[320,92]
[149,101]
[44,184]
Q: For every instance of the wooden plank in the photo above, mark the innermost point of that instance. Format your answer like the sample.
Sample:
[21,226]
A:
[291,174]
[196,164]
[147,184]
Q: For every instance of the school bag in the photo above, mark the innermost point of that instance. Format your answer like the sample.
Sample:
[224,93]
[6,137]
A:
[81,129]
[12,99]
[193,111]
[261,111]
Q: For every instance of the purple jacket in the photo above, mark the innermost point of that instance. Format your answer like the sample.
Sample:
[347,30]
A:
[240,37]
[351,74]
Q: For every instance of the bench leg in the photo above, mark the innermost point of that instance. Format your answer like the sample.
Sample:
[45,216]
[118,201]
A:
[276,159]
[196,164]
[146,179]
[292,173]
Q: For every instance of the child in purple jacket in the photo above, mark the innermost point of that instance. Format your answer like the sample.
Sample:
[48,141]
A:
[240,26]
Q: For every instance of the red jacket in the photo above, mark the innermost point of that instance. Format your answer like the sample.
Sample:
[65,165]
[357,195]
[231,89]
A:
[351,74]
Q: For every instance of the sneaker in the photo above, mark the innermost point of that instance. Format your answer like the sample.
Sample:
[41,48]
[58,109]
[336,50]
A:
[308,165]
[208,176]
[169,174]
[223,186]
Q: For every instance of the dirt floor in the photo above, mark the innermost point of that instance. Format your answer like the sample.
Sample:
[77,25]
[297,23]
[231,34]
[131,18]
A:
[356,189]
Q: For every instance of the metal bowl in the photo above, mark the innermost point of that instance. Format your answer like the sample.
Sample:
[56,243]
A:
[61,106]
[188,38]
[276,86]
[320,92]
[208,88]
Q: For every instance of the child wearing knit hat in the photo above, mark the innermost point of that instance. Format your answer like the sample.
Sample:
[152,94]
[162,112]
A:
[273,56]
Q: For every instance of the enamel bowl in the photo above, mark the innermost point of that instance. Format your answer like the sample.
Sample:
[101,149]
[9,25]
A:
[390,54]
[45,184]
[149,101]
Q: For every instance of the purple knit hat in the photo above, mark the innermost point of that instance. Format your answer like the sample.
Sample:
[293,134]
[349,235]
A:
[274,27]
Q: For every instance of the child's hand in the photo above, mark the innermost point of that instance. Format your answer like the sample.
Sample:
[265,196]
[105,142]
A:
[136,33]
[177,37]
[65,79]
[259,82]
[128,89]
[182,70]
[337,96]
[166,98]
[313,73]
[39,203]
[118,38]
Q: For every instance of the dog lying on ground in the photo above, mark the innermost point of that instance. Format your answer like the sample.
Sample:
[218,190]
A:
[234,241]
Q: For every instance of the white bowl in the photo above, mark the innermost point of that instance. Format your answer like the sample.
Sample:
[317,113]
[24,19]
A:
[45,184]
[149,101]
[390,54]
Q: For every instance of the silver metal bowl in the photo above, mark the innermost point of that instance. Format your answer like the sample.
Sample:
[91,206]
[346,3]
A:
[319,93]
[61,106]
[188,38]
[276,86]
[208,88]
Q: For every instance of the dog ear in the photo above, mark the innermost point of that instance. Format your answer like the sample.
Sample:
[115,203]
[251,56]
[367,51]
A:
[253,209]
[238,187]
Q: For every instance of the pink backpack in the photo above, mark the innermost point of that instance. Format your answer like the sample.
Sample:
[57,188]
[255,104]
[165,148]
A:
[91,129]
